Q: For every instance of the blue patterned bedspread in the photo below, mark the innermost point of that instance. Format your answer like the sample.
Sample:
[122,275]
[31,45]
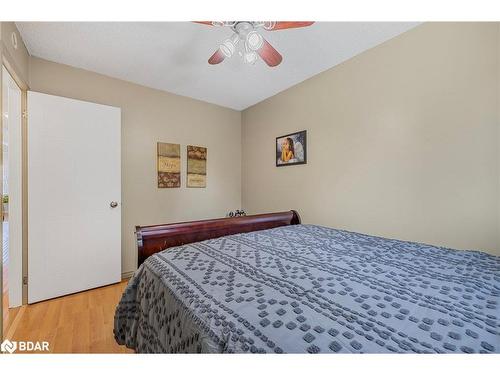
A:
[311,289]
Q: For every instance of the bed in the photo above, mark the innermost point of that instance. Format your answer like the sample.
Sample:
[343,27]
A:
[268,284]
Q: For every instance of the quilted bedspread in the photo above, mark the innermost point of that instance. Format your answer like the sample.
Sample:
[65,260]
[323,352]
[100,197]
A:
[311,289]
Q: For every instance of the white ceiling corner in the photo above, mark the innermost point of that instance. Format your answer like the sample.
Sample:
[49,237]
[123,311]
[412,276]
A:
[172,56]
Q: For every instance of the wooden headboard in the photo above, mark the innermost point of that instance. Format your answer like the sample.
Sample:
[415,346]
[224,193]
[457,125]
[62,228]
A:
[155,238]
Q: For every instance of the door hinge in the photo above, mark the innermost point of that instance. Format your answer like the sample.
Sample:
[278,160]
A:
[25,114]
[25,280]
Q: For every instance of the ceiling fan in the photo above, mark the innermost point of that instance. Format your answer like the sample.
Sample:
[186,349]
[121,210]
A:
[250,42]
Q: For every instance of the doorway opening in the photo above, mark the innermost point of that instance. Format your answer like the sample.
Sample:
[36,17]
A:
[11,198]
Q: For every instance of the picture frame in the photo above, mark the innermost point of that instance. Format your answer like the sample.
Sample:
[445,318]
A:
[168,165]
[291,149]
[196,167]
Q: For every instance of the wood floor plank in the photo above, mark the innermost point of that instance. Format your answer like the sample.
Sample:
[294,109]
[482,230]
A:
[78,323]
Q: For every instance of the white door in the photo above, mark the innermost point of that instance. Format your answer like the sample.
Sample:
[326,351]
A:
[74,181]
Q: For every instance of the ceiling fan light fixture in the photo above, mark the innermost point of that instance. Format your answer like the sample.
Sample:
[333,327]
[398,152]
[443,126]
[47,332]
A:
[269,25]
[229,45]
[250,57]
[253,45]
[227,48]
[254,40]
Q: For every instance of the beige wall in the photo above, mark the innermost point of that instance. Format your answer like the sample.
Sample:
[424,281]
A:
[18,59]
[498,130]
[149,116]
[403,141]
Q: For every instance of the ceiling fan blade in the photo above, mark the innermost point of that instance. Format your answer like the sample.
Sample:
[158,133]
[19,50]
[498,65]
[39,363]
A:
[216,58]
[209,23]
[290,25]
[269,54]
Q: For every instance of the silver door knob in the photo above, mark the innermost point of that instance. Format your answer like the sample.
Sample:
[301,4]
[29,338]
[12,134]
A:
[113,204]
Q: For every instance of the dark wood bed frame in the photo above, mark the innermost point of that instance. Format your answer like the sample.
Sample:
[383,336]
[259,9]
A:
[155,238]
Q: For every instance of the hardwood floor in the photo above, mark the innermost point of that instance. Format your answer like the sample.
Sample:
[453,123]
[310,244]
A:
[9,315]
[78,323]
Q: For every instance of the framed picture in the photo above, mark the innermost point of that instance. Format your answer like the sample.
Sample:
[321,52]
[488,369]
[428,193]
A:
[196,167]
[169,165]
[291,149]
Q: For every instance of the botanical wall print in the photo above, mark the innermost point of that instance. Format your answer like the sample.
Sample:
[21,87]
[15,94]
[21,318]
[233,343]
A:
[169,165]
[196,166]
[291,149]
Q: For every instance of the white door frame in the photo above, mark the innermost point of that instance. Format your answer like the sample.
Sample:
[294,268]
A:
[12,99]
[8,62]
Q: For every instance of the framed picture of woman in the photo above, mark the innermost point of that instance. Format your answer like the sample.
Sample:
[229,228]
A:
[291,149]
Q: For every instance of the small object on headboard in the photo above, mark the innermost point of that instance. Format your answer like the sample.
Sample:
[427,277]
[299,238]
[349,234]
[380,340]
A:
[236,213]
[155,238]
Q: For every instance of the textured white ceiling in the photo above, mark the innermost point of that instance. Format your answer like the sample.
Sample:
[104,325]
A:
[172,56]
